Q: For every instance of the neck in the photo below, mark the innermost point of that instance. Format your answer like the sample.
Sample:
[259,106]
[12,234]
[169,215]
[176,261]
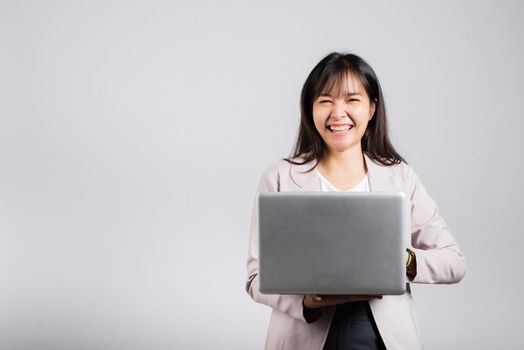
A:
[350,162]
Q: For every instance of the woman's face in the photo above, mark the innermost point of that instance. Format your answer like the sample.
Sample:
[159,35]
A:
[342,119]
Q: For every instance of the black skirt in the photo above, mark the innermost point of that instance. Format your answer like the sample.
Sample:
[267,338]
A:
[354,328]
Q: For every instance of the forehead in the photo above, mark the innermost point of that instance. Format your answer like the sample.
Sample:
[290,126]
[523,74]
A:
[342,84]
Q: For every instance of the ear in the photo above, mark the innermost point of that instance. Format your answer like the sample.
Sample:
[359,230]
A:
[373,106]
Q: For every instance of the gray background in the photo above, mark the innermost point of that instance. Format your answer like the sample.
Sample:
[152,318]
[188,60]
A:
[133,135]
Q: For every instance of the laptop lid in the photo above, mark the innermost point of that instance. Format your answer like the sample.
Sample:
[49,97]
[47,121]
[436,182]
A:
[332,242]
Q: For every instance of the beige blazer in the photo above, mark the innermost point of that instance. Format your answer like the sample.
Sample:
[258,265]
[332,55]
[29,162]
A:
[439,260]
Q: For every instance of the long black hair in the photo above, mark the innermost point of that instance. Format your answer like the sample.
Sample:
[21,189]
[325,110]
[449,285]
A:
[330,72]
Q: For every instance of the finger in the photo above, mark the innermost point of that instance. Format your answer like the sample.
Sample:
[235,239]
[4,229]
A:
[314,298]
[334,296]
[362,297]
[334,299]
[369,296]
[374,296]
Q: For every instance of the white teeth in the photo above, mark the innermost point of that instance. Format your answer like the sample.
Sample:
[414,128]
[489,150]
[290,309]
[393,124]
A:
[340,128]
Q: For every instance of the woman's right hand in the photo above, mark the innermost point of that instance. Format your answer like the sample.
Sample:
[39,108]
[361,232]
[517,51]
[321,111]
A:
[315,301]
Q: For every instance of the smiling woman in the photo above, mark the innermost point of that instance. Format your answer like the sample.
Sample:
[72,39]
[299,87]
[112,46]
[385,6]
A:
[343,136]
[342,120]
[343,113]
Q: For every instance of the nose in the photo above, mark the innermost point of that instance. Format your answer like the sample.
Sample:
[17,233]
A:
[339,110]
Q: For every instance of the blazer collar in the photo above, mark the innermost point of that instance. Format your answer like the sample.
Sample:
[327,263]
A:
[379,176]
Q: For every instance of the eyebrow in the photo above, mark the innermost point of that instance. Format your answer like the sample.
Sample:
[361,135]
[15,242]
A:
[348,94]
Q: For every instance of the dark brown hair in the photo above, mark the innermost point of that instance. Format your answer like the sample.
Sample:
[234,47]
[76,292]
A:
[332,71]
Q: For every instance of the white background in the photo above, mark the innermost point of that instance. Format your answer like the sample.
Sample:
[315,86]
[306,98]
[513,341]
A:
[133,135]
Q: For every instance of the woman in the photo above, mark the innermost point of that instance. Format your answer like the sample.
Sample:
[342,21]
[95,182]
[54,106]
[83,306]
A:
[343,145]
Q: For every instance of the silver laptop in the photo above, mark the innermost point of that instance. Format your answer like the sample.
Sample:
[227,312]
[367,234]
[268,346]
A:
[332,242]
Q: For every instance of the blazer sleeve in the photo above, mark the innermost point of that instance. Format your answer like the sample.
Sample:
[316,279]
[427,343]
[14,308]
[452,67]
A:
[438,256]
[286,303]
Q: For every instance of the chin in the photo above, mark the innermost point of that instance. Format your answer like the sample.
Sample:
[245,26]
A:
[342,145]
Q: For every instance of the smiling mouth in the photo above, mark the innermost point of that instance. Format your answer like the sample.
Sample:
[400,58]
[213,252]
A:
[339,128]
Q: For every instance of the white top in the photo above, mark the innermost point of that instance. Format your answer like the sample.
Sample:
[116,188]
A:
[325,185]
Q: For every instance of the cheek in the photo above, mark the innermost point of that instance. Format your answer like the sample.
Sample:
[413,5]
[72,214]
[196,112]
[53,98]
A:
[362,126]
[319,121]
[362,116]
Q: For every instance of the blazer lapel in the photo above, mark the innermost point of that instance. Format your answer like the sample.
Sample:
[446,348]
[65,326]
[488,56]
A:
[379,176]
[305,181]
